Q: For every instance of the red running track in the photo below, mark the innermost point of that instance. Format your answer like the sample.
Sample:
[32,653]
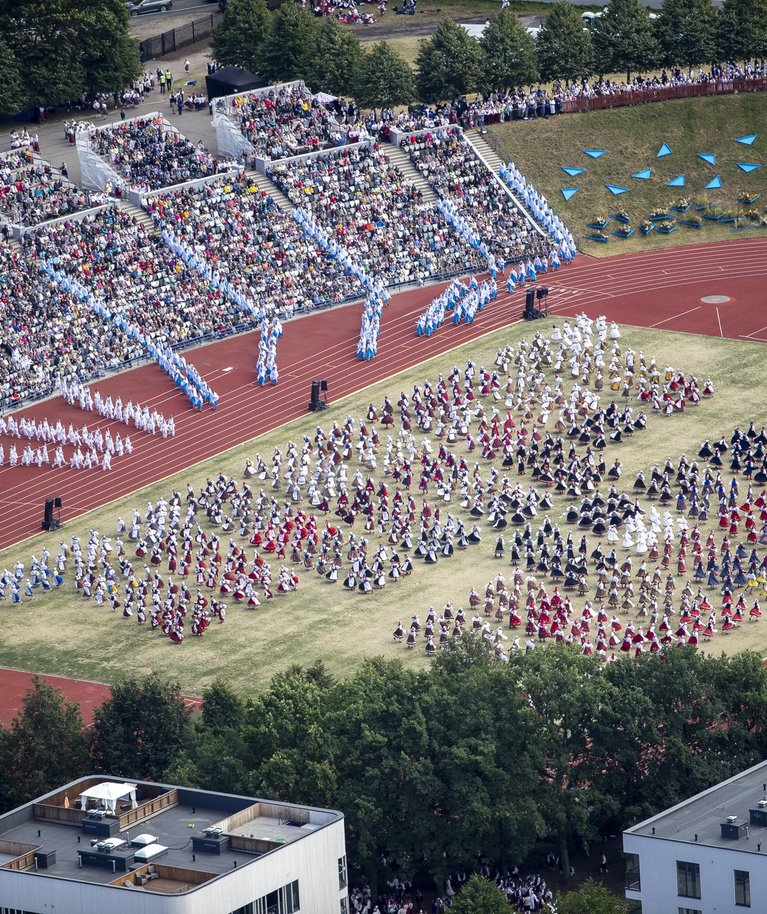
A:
[14,685]
[654,289]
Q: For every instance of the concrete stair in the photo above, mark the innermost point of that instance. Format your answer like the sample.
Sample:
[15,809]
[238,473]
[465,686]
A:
[138,213]
[486,151]
[401,160]
[494,162]
[264,184]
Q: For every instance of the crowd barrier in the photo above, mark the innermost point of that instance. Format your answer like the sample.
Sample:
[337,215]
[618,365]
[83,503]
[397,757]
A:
[174,39]
[663,94]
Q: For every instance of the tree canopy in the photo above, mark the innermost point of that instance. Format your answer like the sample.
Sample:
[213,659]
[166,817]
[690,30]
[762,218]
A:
[140,729]
[508,54]
[564,47]
[337,60]
[449,64]
[64,48]
[291,46]
[44,747]
[384,79]
[241,35]
[624,39]
[687,31]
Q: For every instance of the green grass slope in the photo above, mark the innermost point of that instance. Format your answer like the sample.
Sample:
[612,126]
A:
[632,138]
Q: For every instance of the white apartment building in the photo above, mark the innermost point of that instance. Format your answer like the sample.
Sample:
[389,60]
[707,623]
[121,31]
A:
[103,846]
[707,855]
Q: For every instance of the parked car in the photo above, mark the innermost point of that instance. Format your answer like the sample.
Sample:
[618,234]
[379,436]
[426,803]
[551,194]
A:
[136,7]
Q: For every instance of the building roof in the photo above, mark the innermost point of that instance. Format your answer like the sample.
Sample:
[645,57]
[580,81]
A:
[699,820]
[256,827]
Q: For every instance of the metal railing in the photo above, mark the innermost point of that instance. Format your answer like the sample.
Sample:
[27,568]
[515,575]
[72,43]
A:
[175,39]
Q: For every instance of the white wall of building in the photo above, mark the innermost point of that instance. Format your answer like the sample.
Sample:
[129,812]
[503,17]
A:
[657,861]
[312,860]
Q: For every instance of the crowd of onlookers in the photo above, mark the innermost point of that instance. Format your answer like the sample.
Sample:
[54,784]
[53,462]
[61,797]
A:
[137,277]
[151,154]
[287,121]
[241,233]
[46,333]
[371,208]
[222,255]
[32,192]
[453,169]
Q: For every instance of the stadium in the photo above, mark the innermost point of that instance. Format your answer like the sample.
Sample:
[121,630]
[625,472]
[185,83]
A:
[282,388]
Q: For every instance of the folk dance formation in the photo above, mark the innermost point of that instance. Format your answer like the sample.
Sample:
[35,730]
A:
[420,479]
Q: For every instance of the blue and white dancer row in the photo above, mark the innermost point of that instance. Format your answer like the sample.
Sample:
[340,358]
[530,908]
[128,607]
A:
[462,299]
[266,365]
[216,280]
[152,422]
[185,376]
[539,208]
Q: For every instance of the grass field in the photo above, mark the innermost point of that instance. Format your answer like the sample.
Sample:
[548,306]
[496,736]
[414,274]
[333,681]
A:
[631,138]
[65,634]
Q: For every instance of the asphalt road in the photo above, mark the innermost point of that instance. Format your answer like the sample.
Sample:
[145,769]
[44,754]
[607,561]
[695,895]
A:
[180,8]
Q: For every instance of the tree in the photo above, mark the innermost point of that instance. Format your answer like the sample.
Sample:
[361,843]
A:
[287,742]
[384,764]
[686,32]
[591,898]
[624,39]
[290,48]
[508,54]
[743,29]
[65,47]
[448,64]
[480,896]
[12,92]
[568,692]
[385,80]
[240,36]
[140,729]
[564,48]
[44,747]
[337,59]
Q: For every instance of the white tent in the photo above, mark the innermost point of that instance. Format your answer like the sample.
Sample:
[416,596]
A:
[108,793]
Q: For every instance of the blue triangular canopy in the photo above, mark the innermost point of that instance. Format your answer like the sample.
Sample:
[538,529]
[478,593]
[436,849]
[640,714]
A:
[568,192]
[748,166]
[573,172]
[747,140]
[616,189]
[594,153]
[643,175]
[714,183]
[665,150]
[709,157]
[677,182]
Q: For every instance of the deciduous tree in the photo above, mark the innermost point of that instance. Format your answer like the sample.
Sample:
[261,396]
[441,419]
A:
[139,731]
[686,31]
[241,35]
[385,80]
[44,747]
[624,39]
[448,64]
[508,54]
[564,47]
[338,56]
[291,47]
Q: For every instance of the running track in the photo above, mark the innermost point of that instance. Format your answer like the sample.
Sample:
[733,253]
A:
[654,289]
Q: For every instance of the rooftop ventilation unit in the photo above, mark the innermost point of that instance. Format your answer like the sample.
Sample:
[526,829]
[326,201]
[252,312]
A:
[734,828]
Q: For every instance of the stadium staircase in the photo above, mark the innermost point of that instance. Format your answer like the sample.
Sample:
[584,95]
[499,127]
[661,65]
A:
[137,212]
[493,162]
[485,150]
[401,160]
[264,184]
